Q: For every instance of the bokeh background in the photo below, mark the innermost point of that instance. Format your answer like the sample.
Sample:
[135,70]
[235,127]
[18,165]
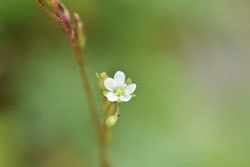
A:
[190,60]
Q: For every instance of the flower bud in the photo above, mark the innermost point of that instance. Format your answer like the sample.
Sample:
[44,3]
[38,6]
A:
[101,77]
[129,81]
[52,3]
[80,36]
[64,14]
[111,120]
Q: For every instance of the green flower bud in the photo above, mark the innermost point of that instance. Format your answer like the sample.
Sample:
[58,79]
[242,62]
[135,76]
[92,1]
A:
[101,77]
[128,81]
[111,120]
[52,3]
[80,36]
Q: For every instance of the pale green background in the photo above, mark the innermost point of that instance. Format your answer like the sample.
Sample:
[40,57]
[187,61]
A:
[190,60]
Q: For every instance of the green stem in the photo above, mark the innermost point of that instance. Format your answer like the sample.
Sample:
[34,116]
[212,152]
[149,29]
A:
[101,132]
[87,88]
[105,133]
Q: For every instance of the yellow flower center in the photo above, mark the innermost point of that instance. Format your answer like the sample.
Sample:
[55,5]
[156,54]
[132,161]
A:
[118,91]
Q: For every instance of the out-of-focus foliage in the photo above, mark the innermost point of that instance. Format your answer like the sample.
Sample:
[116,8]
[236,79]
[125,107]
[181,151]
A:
[190,60]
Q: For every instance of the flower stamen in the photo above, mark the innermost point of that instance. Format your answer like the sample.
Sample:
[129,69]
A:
[118,91]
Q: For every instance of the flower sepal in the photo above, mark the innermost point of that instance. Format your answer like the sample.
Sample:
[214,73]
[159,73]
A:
[105,93]
[129,81]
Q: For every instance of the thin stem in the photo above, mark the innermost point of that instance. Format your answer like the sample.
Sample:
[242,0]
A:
[100,131]
[51,14]
[105,133]
[88,92]
[96,123]
[104,150]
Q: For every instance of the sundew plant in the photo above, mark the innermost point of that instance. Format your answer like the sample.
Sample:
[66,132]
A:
[113,89]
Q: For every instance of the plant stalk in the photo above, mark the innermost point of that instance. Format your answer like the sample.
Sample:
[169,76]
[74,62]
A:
[100,131]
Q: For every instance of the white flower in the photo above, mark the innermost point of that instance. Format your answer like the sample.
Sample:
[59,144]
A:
[118,90]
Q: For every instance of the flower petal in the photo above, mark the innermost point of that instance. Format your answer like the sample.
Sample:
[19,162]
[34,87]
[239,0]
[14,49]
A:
[112,97]
[119,78]
[110,84]
[125,98]
[129,89]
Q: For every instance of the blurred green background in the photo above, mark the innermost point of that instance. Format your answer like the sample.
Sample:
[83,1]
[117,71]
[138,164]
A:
[190,60]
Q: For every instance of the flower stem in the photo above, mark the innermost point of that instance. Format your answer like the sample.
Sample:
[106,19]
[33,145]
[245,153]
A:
[95,119]
[105,134]
[86,86]
[100,131]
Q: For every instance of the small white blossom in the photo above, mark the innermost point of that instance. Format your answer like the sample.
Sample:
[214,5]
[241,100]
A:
[118,90]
